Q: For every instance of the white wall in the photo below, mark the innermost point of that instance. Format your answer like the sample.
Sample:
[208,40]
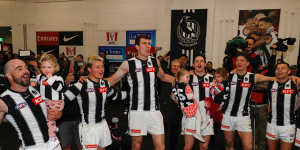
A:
[94,15]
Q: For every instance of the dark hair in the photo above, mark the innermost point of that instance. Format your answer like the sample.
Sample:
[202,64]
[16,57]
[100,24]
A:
[80,55]
[243,55]
[209,62]
[200,56]
[282,62]
[250,38]
[141,36]
[266,19]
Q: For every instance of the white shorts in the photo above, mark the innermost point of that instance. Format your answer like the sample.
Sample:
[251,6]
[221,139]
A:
[143,122]
[284,133]
[192,125]
[52,144]
[297,141]
[242,124]
[94,135]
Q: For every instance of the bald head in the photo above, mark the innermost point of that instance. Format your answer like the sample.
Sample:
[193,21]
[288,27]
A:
[9,65]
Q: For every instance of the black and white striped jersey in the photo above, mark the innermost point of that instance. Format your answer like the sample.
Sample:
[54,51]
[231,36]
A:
[52,88]
[240,89]
[27,113]
[142,79]
[91,97]
[201,86]
[282,100]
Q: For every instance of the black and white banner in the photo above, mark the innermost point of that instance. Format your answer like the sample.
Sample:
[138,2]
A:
[188,33]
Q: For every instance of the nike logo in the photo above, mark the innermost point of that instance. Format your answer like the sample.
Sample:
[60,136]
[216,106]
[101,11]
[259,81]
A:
[69,38]
[50,51]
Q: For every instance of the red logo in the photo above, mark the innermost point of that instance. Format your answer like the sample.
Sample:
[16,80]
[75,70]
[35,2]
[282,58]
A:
[225,126]
[190,130]
[287,91]
[111,37]
[271,135]
[91,146]
[246,85]
[37,100]
[135,131]
[44,82]
[47,38]
[205,84]
[70,51]
[297,141]
[188,89]
[150,69]
[103,90]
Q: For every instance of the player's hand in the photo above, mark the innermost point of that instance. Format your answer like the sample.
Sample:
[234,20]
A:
[83,79]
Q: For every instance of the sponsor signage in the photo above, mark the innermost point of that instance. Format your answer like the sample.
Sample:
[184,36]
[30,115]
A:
[114,53]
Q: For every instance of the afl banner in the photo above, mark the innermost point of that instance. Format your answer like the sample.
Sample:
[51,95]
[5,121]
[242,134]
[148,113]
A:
[188,33]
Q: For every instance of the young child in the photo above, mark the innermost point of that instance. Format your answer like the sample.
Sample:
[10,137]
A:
[182,94]
[51,86]
[218,93]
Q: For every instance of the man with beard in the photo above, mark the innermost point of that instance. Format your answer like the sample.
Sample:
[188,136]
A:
[22,106]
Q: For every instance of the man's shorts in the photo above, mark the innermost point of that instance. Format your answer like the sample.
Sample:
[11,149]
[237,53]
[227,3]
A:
[143,122]
[193,125]
[94,135]
[68,133]
[242,123]
[284,133]
[52,144]
[297,141]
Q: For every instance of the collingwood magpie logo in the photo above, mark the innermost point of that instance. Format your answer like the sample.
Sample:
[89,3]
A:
[188,31]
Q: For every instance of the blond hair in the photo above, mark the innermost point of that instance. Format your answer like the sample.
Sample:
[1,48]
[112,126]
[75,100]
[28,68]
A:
[92,59]
[181,73]
[51,59]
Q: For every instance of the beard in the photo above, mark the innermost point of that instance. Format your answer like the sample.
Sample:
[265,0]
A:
[21,81]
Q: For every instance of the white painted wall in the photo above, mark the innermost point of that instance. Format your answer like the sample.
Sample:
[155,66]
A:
[93,16]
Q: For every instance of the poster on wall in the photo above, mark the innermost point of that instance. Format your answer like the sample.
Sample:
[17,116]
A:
[130,41]
[113,53]
[111,38]
[264,21]
[69,42]
[188,33]
[263,25]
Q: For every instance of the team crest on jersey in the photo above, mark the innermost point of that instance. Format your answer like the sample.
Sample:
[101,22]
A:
[233,83]
[273,90]
[149,63]
[205,79]
[102,82]
[150,69]
[34,92]
[287,91]
[90,90]
[194,83]
[246,79]
[37,100]
[103,89]
[138,70]
[245,85]
[21,106]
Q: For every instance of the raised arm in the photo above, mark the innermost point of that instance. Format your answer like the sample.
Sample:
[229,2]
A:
[163,76]
[262,78]
[121,72]
[3,110]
